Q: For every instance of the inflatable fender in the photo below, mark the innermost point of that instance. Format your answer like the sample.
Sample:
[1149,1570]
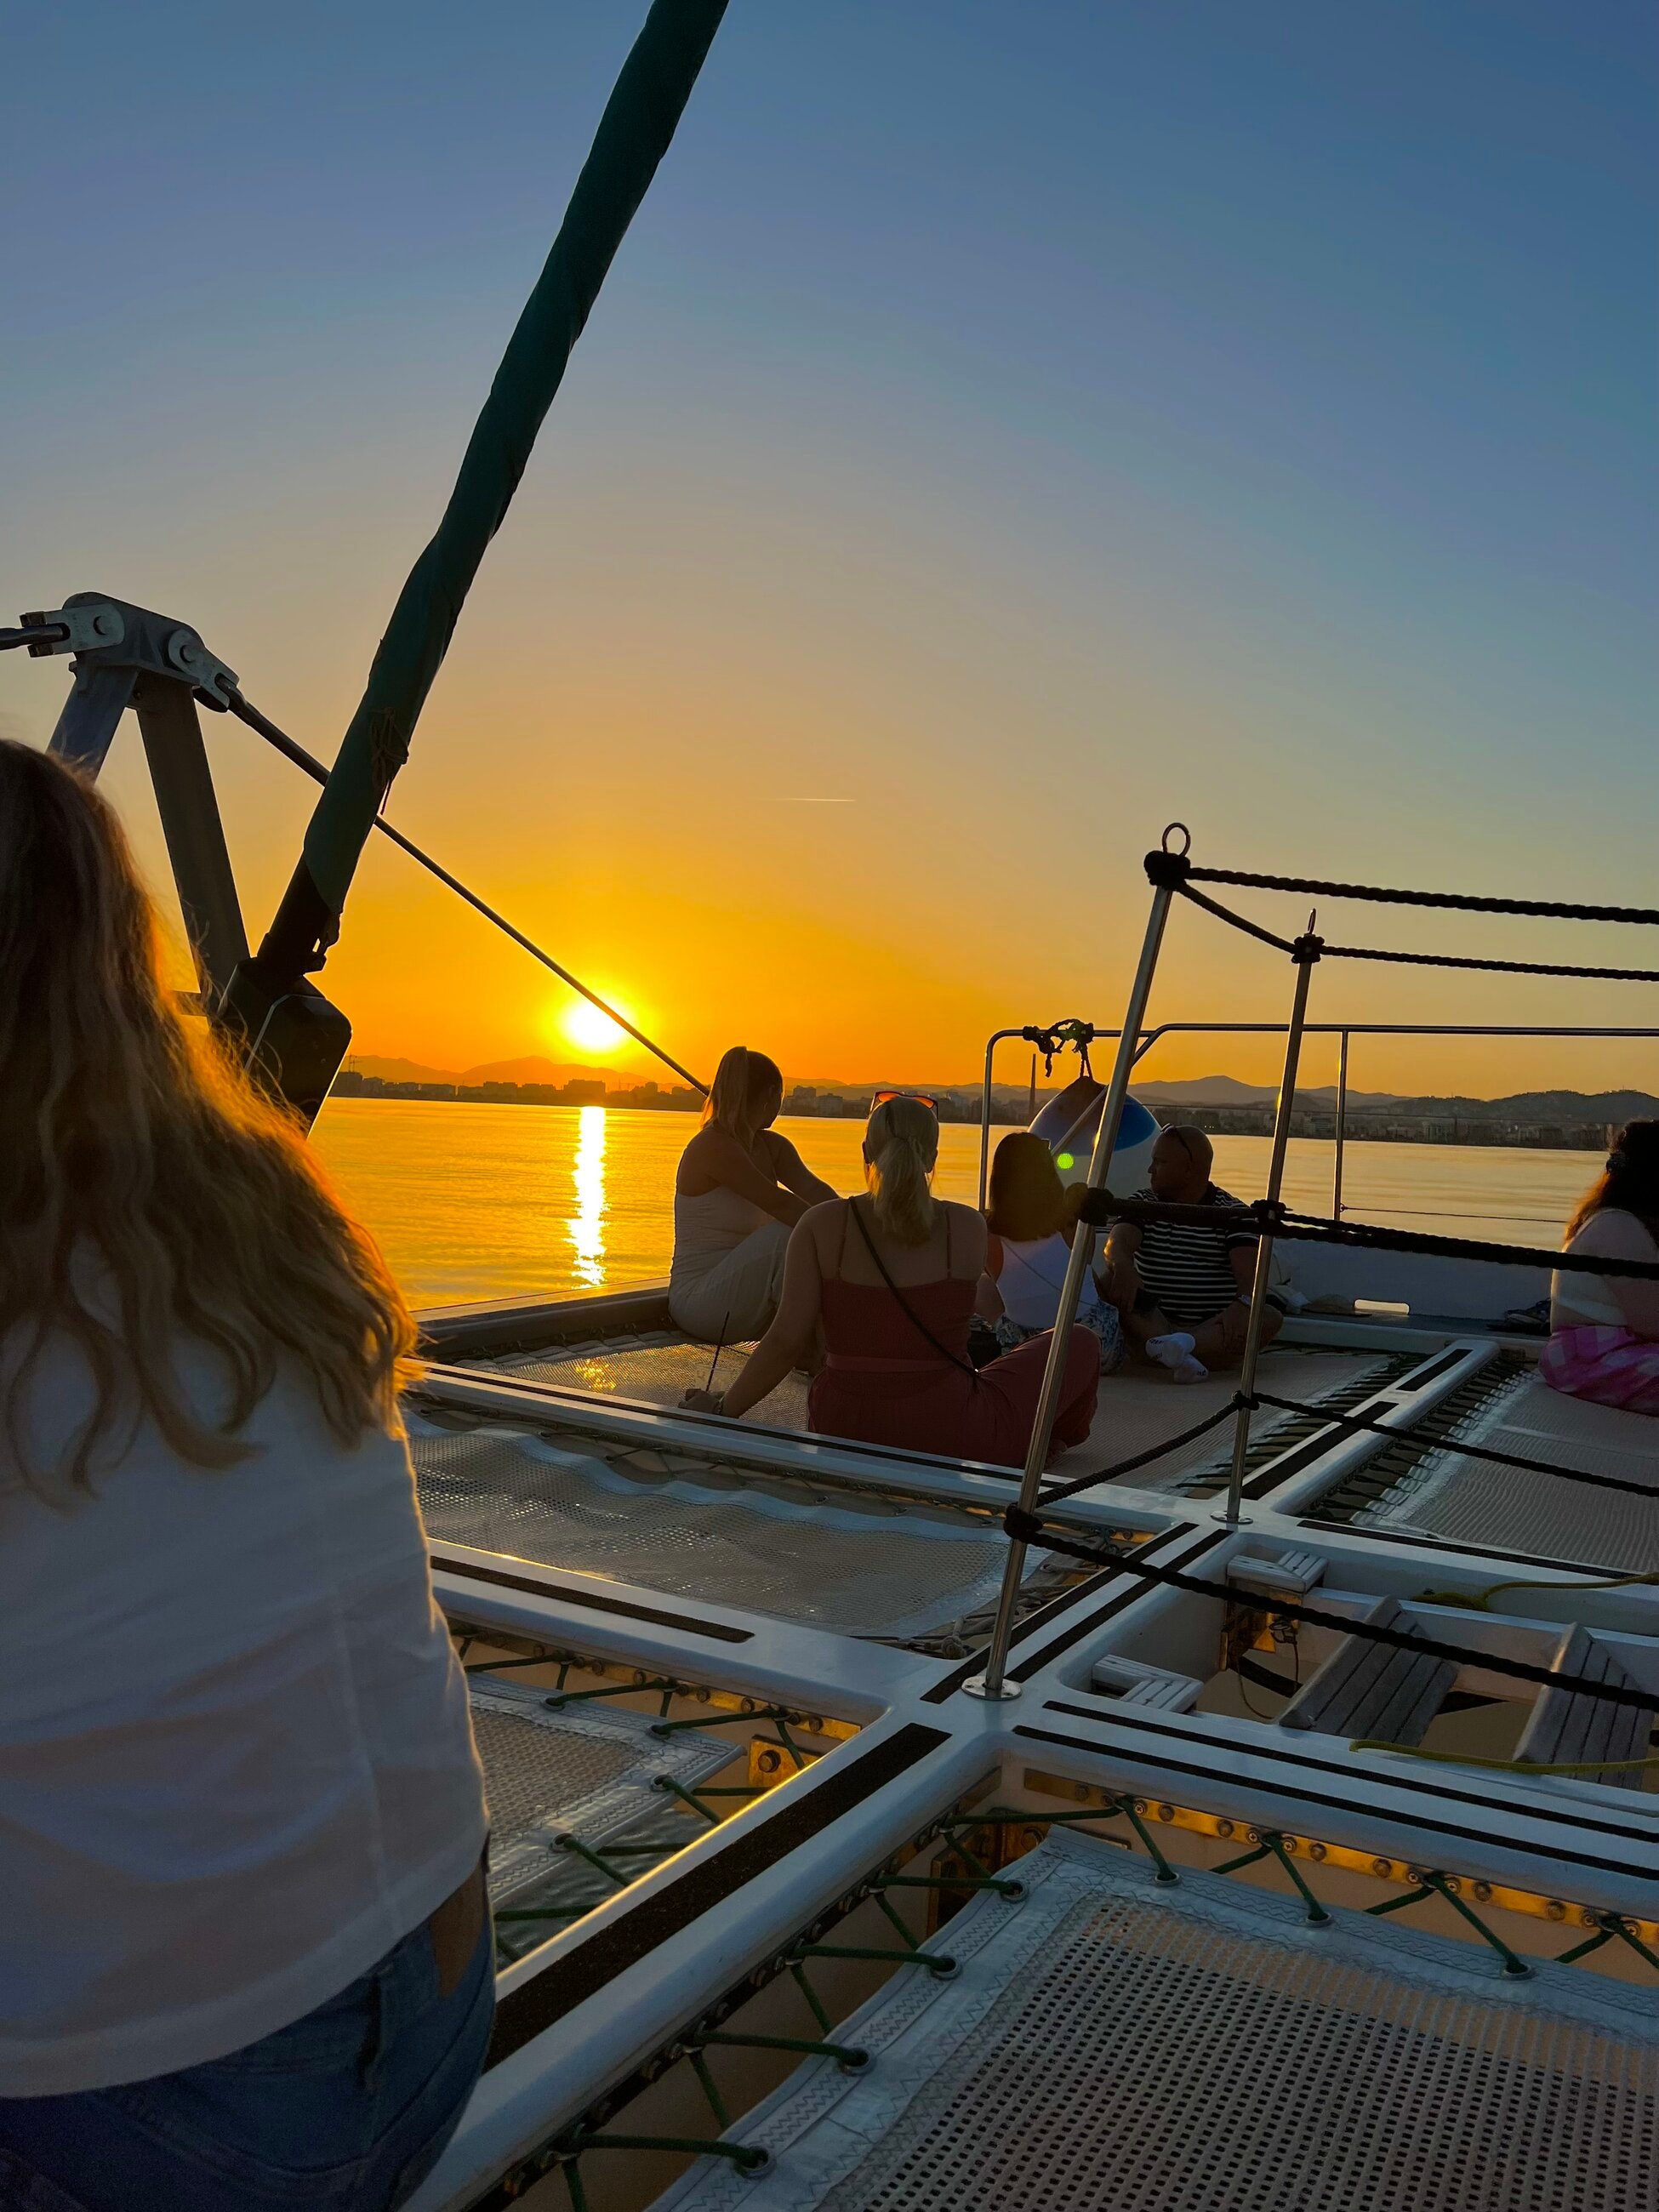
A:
[1069,1123]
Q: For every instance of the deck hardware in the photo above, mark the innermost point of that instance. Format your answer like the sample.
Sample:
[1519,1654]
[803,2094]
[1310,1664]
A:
[939,1967]
[849,2057]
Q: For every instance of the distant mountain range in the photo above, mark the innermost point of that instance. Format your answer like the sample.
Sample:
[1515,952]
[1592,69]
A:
[1227,1090]
[529,1069]
[1524,1106]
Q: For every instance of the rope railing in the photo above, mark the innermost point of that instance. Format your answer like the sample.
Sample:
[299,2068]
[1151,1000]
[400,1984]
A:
[1490,967]
[1174,869]
[309,765]
[1358,1424]
[1100,1208]
[1362,1423]
[1458,902]
[1035,1529]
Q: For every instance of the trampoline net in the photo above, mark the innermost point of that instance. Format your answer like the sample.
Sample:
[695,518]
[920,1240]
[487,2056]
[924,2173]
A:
[692,1528]
[584,1773]
[1111,2047]
[658,1367]
[1137,1408]
[1464,1500]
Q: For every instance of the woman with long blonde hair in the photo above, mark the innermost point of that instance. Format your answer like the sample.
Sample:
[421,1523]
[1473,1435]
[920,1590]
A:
[889,1279]
[245,1956]
[740,1189]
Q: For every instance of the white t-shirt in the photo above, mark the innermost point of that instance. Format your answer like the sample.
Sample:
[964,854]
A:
[1608,1301]
[235,1761]
[1031,1277]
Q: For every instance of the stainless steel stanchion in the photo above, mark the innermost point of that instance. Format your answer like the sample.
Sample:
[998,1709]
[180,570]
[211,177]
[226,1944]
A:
[1307,952]
[1341,1129]
[993,1682]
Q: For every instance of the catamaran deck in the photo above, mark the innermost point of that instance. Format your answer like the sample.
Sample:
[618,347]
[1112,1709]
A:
[744,1799]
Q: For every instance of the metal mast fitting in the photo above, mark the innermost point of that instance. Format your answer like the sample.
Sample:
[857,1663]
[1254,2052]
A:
[126,656]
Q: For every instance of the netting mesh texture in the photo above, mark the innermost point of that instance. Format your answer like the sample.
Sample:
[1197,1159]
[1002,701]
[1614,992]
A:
[534,1774]
[590,1770]
[1466,1500]
[846,1563]
[657,1368]
[1156,2064]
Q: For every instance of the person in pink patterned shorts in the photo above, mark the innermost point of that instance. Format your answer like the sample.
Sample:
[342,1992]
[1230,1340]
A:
[1604,1329]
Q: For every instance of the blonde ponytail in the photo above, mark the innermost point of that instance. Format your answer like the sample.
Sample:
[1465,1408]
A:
[901,1146]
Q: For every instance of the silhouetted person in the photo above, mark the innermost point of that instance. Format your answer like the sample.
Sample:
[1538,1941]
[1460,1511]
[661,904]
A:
[1184,1292]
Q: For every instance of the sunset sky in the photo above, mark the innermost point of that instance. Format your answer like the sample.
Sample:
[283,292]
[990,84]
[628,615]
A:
[1006,427]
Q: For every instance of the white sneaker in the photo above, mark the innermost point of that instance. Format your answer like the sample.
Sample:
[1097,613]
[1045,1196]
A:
[1169,1351]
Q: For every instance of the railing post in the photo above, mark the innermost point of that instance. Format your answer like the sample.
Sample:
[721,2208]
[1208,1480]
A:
[1341,1126]
[991,1044]
[1305,954]
[993,1683]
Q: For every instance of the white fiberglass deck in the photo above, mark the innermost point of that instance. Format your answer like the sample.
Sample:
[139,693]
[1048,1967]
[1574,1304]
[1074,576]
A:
[1467,1500]
[1111,2045]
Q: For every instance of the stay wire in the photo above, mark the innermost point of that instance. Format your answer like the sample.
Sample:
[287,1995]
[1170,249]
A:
[301,759]
[1033,1529]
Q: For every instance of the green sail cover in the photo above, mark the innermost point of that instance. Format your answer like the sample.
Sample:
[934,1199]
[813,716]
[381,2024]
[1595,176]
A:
[633,135]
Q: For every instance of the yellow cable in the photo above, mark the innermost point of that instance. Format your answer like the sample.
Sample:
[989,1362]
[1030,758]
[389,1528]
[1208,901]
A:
[1480,1600]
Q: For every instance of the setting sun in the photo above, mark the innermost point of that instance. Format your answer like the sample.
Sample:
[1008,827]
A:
[591,1030]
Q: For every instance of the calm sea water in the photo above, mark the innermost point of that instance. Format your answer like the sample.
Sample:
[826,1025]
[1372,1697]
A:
[475,1203]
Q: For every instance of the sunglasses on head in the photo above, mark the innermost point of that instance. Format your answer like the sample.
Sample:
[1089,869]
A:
[885,1098]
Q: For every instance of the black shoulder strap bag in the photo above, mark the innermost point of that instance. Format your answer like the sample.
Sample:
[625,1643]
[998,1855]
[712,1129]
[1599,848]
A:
[963,1366]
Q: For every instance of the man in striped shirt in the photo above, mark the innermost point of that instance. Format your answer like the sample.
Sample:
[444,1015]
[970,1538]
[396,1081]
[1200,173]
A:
[1183,1291]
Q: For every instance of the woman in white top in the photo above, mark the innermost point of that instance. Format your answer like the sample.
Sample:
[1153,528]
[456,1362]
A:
[740,1189]
[245,1956]
[1604,1329]
[1031,1219]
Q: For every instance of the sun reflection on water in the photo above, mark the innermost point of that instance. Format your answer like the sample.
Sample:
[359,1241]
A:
[588,1227]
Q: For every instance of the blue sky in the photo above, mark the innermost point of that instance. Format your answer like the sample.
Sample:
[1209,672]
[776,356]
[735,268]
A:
[1026,423]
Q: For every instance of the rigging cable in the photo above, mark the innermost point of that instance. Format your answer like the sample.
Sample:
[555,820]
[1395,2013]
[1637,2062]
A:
[314,768]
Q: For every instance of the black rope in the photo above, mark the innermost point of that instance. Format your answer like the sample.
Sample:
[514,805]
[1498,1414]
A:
[1562,909]
[1494,967]
[1143,1458]
[314,768]
[904,1304]
[1099,1208]
[1364,1423]
[1235,921]
[1032,1529]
